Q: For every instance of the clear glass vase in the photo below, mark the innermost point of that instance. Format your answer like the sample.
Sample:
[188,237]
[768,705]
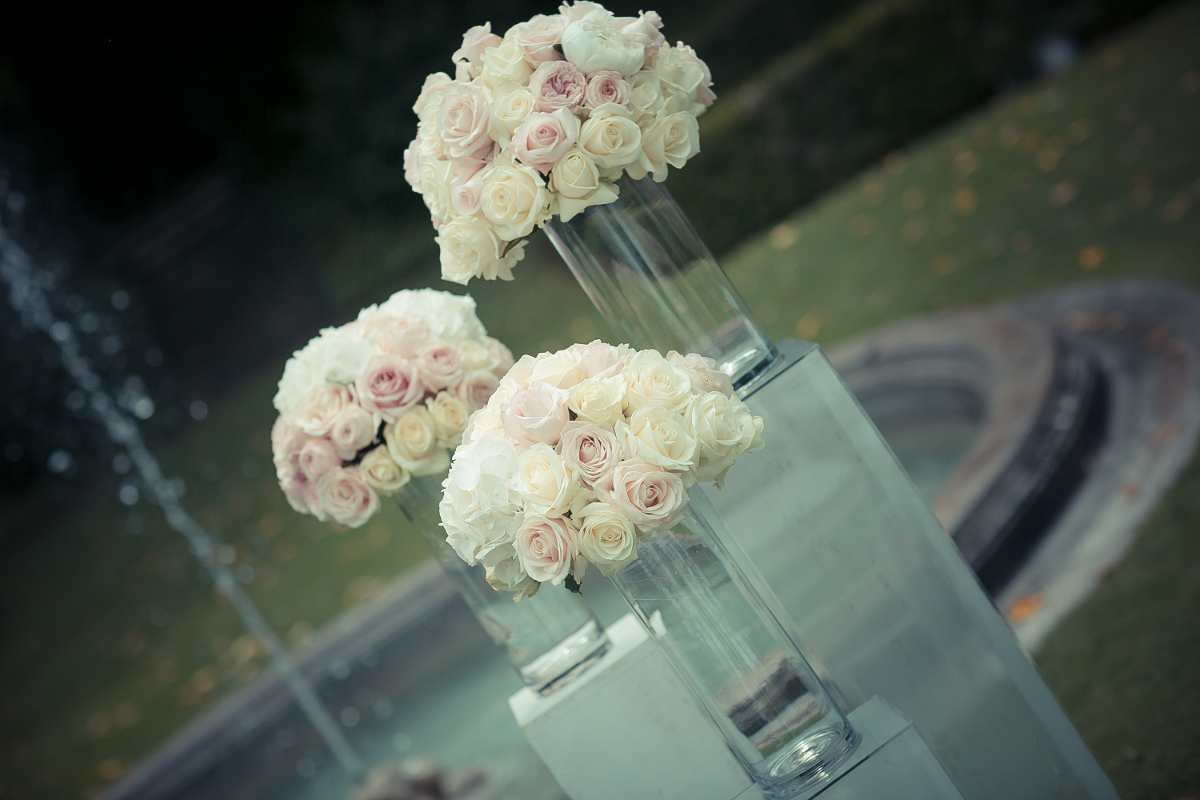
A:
[656,284]
[698,596]
[550,638]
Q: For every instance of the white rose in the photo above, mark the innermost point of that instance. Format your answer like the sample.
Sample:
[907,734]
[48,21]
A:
[606,538]
[449,418]
[702,372]
[383,474]
[315,415]
[681,76]
[561,370]
[504,570]
[511,105]
[670,140]
[646,97]
[610,137]
[724,429]
[462,122]
[474,355]
[576,184]
[431,95]
[653,381]
[659,436]
[435,187]
[538,36]
[545,483]
[594,43]
[505,62]
[469,248]
[514,200]
[412,442]
[599,400]
[484,422]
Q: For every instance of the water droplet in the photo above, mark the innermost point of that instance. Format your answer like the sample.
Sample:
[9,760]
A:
[226,554]
[76,400]
[178,487]
[128,494]
[60,461]
[89,323]
[75,304]
[120,300]
[245,574]
[154,357]
[402,742]
[350,716]
[110,345]
[305,768]
[121,464]
[198,409]
[143,408]
[382,708]
[134,524]
[340,669]
[60,331]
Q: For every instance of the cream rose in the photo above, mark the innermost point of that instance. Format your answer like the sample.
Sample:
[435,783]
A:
[645,95]
[346,498]
[435,186]
[469,249]
[383,474]
[538,36]
[681,75]
[561,370]
[599,400]
[659,436]
[462,121]
[606,538]
[724,430]
[546,547]
[670,140]
[475,41]
[352,430]
[504,570]
[321,406]
[450,417]
[610,137]
[505,62]
[412,442]
[545,483]
[600,359]
[431,95]
[648,497]
[643,29]
[514,200]
[589,451]
[653,381]
[702,373]
[576,184]
[502,355]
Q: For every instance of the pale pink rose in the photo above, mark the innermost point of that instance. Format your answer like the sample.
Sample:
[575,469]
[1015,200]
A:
[542,139]
[644,30]
[320,407]
[590,451]
[557,84]
[434,85]
[536,414]
[538,36]
[462,122]
[476,388]
[439,366]
[312,499]
[354,429]
[466,188]
[518,374]
[412,165]
[702,372]
[600,359]
[606,86]
[296,492]
[286,441]
[647,496]
[475,41]
[547,548]
[346,497]
[502,355]
[390,386]
[317,457]
[401,337]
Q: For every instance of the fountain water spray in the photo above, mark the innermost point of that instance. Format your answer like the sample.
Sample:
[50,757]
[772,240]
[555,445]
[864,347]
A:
[27,296]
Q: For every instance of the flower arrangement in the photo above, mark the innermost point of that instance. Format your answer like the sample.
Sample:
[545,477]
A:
[577,451]
[365,407]
[543,121]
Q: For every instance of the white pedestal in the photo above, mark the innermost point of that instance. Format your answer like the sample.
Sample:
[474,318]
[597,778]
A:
[629,728]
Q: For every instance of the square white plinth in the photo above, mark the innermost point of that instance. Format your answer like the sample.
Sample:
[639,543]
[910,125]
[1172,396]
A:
[629,728]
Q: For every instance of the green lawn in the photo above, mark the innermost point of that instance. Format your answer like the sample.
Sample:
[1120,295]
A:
[1092,175]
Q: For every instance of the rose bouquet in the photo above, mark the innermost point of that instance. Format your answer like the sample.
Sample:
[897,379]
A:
[579,450]
[543,121]
[365,407]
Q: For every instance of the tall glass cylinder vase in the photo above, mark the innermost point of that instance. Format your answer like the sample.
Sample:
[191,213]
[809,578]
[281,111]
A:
[692,588]
[651,277]
[549,638]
